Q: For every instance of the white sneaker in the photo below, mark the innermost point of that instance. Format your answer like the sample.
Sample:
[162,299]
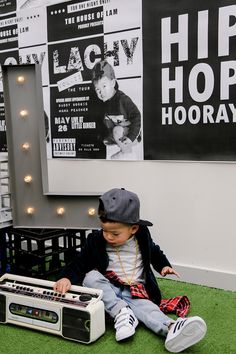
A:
[125,323]
[184,333]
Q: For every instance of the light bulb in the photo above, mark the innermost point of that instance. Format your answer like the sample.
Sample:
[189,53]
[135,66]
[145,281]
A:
[25,146]
[28,179]
[30,210]
[23,113]
[20,79]
[60,211]
[91,211]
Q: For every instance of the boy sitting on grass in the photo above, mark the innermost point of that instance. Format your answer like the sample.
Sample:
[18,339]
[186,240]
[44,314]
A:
[117,259]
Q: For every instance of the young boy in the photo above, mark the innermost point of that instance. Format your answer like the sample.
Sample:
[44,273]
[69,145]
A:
[122,118]
[117,259]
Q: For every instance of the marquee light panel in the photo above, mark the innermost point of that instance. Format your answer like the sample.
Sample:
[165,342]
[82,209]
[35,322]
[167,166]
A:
[78,211]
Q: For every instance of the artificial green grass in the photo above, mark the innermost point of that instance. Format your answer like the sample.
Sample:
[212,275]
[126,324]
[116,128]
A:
[217,307]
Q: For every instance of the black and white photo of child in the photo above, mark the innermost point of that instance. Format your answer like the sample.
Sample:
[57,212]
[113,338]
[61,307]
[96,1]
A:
[122,118]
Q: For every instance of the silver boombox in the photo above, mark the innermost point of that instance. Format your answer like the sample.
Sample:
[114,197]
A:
[77,315]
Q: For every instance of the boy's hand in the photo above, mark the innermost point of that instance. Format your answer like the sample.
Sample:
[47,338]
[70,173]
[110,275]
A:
[62,285]
[169,270]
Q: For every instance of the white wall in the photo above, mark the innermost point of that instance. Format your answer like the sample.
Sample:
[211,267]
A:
[191,204]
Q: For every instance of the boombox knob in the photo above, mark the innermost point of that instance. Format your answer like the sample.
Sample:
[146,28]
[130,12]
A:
[85,297]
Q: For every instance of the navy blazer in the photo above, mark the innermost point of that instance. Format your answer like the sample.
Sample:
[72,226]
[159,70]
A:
[94,256]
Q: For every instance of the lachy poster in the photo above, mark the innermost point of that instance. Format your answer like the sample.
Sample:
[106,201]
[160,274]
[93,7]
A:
[81,35]
[129,80]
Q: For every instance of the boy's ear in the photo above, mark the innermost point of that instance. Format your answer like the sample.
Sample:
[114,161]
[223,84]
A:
[113,82]
[134,228]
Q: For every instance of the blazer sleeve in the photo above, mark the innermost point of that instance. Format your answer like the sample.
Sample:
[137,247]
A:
[76,269]
[151,252]
[158,258]
[92,256]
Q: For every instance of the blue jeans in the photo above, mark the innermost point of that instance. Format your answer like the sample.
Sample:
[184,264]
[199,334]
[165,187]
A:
[115,298]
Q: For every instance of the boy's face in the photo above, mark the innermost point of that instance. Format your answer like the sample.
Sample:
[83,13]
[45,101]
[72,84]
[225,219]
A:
[105,88]
[116,234]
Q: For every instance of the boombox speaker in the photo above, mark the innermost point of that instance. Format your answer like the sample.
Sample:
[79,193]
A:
[76,324]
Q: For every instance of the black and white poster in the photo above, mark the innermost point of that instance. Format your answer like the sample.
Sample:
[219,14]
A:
[189,80]
[83,37]
[129,80]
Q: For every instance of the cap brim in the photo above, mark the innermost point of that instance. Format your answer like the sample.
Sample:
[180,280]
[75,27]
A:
[145,222]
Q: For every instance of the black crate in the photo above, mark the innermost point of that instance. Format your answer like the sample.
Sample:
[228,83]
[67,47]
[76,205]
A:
[38,252]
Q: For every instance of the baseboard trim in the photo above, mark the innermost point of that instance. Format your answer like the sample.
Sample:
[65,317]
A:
[208,277]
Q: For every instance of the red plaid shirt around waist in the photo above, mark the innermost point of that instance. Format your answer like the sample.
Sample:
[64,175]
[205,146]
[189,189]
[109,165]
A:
[178,305]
